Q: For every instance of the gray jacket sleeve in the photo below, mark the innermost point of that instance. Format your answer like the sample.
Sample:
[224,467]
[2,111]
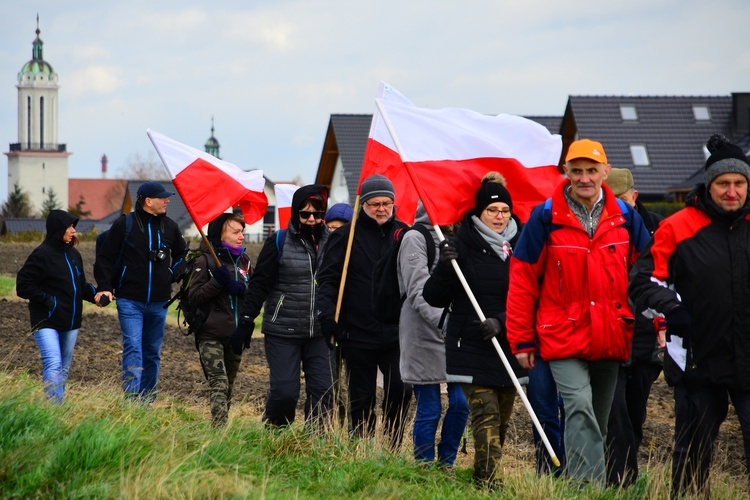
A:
[412,275]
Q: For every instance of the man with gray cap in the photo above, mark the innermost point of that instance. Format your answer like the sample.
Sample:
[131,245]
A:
[625,428]
[139,260]
[696,272]
[367,343]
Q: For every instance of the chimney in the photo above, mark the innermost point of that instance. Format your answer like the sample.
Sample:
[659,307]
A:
[741,111]
[104,166]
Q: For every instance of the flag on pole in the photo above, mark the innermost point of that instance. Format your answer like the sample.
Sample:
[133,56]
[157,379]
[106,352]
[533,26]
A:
[381,157]
[209,186]
[449,150]
[284,194]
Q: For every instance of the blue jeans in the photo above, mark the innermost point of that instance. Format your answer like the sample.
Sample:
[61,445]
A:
[142,325]
[429,408]
[548,407]
[56,349]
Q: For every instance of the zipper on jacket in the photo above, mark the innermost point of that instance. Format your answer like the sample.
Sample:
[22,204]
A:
[150,263]
[559,272]
[75,290]
[312,296]
[278,308]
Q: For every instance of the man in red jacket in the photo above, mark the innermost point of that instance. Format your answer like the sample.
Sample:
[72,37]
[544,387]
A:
[568,299]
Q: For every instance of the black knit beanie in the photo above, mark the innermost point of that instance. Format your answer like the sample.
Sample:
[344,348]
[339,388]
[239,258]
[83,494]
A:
[491,192]
[725,158]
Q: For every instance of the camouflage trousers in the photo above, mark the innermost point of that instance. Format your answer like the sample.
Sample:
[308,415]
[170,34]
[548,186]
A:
[220,366]
[490,411]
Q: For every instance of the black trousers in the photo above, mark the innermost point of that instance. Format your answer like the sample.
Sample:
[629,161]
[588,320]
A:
[699,412]
[362,368]
[625,426]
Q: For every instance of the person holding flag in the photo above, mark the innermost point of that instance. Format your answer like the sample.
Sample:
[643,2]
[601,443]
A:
[218,293]
[284,285]
[482,247]
[142,282]
[367,343]
[568,299]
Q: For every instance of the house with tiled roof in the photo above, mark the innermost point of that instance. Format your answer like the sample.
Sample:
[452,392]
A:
[661,139]
[101,197]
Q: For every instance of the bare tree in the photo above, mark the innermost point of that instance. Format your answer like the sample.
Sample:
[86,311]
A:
[140,168]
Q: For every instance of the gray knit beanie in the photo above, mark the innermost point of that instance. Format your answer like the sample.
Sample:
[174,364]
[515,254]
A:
[725,158]
[376,185]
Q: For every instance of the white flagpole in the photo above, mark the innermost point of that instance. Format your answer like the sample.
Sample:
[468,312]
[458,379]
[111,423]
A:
[472,298]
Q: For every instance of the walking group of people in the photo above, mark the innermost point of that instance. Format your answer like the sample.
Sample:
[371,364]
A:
[587,300]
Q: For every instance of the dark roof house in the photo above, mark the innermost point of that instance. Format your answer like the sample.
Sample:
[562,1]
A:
[661,139]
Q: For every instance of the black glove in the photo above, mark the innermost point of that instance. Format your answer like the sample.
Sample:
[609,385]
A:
[447,252]
[679,323]
[221,275]
[235,287]
[240,339]
[330,330]
[50,302]
[104,300]
[492,327]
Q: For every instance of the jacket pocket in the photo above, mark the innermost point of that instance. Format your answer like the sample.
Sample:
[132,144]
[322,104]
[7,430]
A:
[278,307]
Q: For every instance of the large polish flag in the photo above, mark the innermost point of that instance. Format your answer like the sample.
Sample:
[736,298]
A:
[382,158]
[209,186]
[284,195]
[448,151]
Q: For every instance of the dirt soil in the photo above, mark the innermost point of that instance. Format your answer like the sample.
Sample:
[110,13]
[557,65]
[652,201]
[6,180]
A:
[96,363]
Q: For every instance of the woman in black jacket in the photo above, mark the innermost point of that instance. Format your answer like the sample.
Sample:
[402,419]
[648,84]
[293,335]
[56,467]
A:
[53,281]
[217,292]
[285,285]
[482,248]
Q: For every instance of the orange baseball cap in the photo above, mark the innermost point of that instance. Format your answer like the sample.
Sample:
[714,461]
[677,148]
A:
[586,148]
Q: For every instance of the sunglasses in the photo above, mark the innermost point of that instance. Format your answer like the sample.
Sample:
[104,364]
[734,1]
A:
[305,214]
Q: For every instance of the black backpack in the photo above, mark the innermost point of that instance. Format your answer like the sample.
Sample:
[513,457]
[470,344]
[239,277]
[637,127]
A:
[388,297]
[118,261]
[189,315]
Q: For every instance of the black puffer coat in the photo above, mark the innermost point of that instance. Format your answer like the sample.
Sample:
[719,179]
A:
[53,276]
[470,358]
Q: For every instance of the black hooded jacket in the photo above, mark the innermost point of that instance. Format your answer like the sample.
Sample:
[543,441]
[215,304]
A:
[53,280]
[284,282]
[221,308]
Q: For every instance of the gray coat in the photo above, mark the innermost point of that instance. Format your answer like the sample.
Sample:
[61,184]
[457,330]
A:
[422,343]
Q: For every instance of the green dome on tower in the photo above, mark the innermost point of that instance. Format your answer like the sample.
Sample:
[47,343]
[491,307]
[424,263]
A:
[37,70]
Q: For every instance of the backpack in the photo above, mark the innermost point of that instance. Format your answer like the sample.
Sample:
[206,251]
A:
[103,236]
[388,297]
[189,315]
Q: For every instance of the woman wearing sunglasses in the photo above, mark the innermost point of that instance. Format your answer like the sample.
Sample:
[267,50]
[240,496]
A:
[284,285]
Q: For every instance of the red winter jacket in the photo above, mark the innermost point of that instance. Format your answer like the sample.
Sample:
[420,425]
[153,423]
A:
[568,292]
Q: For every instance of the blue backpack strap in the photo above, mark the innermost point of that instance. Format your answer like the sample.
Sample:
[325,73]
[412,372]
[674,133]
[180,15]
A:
[280,239]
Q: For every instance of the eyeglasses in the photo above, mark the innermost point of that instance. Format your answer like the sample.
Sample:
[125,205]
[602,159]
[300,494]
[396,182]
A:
[305,214]
[492,211]
[378,206]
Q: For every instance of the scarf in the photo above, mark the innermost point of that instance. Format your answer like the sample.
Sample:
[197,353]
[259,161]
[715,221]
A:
[499,242]
[234,250]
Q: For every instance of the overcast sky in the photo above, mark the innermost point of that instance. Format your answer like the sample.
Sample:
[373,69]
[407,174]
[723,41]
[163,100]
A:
[272,72]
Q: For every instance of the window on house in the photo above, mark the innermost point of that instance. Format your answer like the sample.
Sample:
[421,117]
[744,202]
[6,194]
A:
[701,113]
[640,155]
[628,112]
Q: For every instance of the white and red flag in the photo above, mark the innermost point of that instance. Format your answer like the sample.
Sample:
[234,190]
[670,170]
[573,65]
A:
[381,157]
[284,195]
[209,186]
[448,151]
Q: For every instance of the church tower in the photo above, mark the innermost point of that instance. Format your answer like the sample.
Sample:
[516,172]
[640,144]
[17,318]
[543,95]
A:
[212,145]
[37,162]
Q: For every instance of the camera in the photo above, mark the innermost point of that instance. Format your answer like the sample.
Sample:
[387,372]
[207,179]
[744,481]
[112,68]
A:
[157,255]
